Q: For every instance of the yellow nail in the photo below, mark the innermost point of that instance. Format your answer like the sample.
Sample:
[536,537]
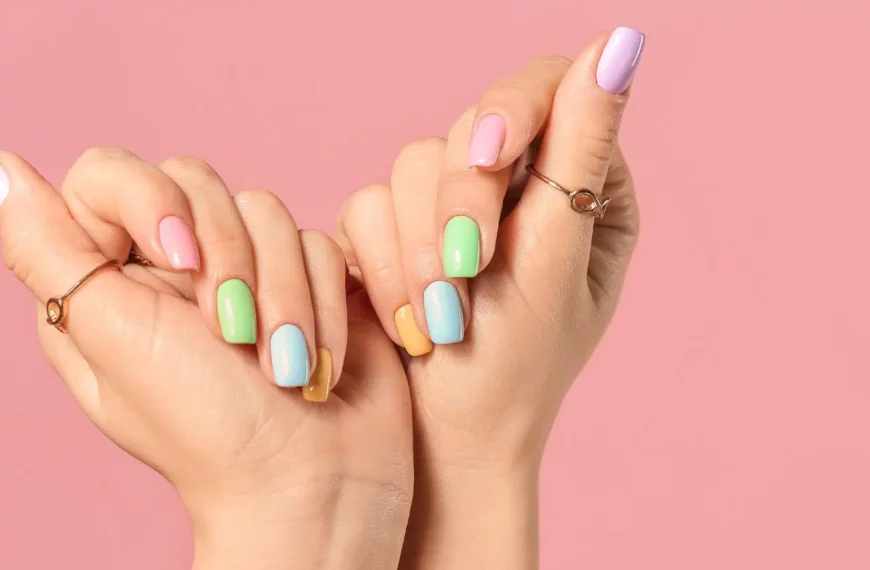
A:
[413,339]
[318,387]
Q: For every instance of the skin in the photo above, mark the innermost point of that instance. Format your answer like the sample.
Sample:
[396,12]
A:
[483,409]
[261,471]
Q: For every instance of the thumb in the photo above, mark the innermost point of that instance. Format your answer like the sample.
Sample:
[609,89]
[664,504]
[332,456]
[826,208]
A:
[49,252]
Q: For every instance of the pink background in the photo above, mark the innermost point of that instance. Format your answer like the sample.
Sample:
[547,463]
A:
[723,423]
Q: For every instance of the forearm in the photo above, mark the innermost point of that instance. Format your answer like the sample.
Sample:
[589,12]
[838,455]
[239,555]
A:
[358,531]
[480,519]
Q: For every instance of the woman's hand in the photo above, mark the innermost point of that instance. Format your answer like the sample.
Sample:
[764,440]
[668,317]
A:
[517,318]
[167,360]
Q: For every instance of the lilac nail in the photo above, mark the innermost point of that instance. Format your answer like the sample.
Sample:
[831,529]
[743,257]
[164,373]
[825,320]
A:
[620,59]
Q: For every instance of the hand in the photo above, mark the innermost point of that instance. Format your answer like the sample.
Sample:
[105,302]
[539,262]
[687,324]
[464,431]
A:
[269,480]
[541,296]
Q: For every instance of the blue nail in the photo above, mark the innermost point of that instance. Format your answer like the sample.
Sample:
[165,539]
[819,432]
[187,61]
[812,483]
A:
[443,313]
[290,363]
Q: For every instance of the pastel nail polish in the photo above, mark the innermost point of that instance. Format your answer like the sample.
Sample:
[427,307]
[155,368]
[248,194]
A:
[461,255]
[620,59]
[4,186]
[178,243]
[413,339]
[486,141]
[321,380]
[290,362]
[236,312]
[443,313]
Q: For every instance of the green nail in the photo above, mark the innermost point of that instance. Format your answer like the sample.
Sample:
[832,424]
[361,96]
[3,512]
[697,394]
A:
[236,312]
[461,247]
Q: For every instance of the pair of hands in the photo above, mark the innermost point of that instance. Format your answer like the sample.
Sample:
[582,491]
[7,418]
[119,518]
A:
[188,365]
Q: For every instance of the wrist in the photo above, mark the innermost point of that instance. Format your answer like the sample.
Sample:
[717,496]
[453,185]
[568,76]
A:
[482,518]
[347,526]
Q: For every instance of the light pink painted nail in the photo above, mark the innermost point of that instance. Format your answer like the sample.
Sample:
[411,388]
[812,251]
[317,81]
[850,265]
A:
[620,59]
[178,243]
[486,142]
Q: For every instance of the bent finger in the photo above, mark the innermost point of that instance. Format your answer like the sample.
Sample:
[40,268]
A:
[512,113]
[119,199]
[287,336]
[326,270]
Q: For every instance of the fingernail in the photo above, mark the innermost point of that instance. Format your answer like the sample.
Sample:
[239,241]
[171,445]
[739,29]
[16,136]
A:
[461,247]
[443,313]
[178,243]
[318,389]
[4,185]
[236,312]
[290,363]
[486,141]
[619,60]
[413,339]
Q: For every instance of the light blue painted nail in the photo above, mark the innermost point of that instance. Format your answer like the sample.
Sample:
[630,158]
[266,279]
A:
[4,185]
[443,313]
[290,363]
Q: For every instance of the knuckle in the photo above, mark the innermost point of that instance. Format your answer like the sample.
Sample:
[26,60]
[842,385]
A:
[365,201]
[554,61]
[321,244]
[421,151]
[597,147]
[264,204]
[190,166]
[99,154]
[384,273]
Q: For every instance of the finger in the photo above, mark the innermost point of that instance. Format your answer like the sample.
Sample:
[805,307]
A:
[440,303]
[615,236]
[576,152]
[225,282]
[118,198]
[467,207]
[49,252]
[325,270]
[378,256]
[512,113]
[287,336]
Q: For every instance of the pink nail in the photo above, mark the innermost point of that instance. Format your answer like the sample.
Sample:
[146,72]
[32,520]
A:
[178,243]
[619,60]
[486,142]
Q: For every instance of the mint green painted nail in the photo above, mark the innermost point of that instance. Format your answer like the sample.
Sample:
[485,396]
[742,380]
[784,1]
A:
[461,247]
[236,312]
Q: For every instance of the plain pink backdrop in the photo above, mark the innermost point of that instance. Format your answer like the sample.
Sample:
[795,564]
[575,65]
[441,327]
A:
[722,424]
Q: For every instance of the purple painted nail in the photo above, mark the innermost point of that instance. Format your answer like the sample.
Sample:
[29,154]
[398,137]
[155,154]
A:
[620,59]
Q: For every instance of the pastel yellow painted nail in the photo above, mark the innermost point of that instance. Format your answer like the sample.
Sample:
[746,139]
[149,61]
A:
[413,339]
[321,380]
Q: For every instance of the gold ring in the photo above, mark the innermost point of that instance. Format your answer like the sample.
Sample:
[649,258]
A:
[55,307]
[582,201]
[137,259]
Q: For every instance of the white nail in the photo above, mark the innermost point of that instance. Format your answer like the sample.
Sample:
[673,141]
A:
[4,185]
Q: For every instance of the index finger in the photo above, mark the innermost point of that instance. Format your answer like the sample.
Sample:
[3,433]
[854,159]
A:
[512,113]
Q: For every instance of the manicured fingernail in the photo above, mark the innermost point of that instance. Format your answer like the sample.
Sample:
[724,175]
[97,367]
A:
[413,339]
[178,243]
[443,313]
[4,185]
[620,59]
[318,389]
[461,247]
[486,141]
[290,363]
[236,312]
